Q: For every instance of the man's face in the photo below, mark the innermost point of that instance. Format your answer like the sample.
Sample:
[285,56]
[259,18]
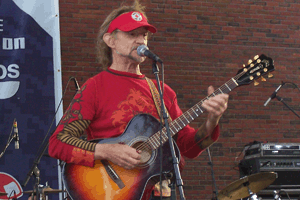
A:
[128,42]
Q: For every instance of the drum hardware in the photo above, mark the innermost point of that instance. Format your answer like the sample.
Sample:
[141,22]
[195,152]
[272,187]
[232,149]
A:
[276,195]
[247,186]
[253,196]
[45,191]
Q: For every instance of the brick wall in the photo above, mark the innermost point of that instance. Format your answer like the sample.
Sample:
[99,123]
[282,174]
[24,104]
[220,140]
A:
[202,43]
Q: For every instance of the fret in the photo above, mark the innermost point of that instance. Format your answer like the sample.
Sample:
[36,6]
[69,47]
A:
[178,124]
[186,118]
[181,120]
[175,128]
[172,132]
[171,127]
[157,137]
[227,86]
[195,112]
[234,81]
[154,142]
[165,136]
[199,108]
[162,138]
[190,115]
[151,143]
[221,91]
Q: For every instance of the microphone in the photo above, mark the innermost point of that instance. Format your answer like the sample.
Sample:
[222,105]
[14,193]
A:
[274,94]
[16,135]
[143,50]
[76,83]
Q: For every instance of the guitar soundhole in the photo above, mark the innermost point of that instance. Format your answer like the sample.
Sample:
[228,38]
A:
[147,154]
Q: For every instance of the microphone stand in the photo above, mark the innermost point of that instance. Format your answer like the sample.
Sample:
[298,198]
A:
[281,100]
[179,181]
[212,174]
[36,172]
[34,169]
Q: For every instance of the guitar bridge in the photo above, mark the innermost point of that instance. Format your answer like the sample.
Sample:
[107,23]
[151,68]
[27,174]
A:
[112,174]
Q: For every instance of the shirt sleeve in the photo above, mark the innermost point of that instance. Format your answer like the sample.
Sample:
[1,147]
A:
[185,138]
[65,143]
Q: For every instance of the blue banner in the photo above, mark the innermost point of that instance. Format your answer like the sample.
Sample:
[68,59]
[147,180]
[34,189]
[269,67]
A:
[28,90]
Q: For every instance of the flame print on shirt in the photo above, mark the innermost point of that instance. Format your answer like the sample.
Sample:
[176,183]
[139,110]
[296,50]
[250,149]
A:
[134,104]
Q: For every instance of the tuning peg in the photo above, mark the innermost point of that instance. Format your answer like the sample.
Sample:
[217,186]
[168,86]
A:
[244,65]
[249,61]
[270,75]
[263,79]
[256,83]
[255,57]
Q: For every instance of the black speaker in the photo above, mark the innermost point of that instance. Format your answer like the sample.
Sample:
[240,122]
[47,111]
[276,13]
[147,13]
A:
[288,174]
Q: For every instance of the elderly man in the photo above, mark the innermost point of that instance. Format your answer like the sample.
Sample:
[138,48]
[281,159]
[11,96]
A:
[107,102]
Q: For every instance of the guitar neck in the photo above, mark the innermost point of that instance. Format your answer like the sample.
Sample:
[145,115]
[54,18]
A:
[188,116]
[255,69]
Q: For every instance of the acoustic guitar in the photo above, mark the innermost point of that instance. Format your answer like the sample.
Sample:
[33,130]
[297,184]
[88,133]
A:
[107,181]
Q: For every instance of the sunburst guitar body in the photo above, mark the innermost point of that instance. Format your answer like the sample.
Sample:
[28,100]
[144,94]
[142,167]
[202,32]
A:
[107,181]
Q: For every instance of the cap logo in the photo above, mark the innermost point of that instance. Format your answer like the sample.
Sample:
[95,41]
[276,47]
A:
[136,16]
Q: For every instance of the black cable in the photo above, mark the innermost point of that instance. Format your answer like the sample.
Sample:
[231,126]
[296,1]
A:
[64,92]
[10,138]
[295,85]
[45,143]
[282,190]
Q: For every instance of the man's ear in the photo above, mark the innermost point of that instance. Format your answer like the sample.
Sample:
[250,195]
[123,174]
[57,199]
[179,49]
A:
[109,39]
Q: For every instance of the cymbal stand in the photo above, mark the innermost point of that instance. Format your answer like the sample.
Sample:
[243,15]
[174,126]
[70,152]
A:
[276,195]
[212,174]
[253,196]
[37,187]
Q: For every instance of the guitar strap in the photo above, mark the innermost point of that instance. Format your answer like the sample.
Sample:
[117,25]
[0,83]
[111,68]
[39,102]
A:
[156,99]
[166,190]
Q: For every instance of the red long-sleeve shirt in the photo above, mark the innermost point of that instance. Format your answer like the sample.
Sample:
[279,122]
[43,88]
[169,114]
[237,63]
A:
[104,106]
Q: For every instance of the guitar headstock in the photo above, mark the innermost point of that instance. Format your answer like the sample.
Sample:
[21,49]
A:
[259,67]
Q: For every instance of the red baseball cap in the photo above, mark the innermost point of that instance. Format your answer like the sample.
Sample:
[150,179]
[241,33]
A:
[130,21]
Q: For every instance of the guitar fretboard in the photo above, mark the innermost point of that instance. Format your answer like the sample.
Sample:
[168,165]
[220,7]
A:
[188,116]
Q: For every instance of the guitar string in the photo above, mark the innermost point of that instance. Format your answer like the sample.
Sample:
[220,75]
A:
[146,144]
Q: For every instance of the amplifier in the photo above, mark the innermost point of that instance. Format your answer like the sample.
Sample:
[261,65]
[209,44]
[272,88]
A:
[271,150]
[287,169]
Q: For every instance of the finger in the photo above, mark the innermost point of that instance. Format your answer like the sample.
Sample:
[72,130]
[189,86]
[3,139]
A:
[134,153]
[215,105]
[133,161]
[210,90]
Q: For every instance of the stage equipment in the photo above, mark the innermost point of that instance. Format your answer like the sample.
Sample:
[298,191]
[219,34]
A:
[280,158]
[247,186]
